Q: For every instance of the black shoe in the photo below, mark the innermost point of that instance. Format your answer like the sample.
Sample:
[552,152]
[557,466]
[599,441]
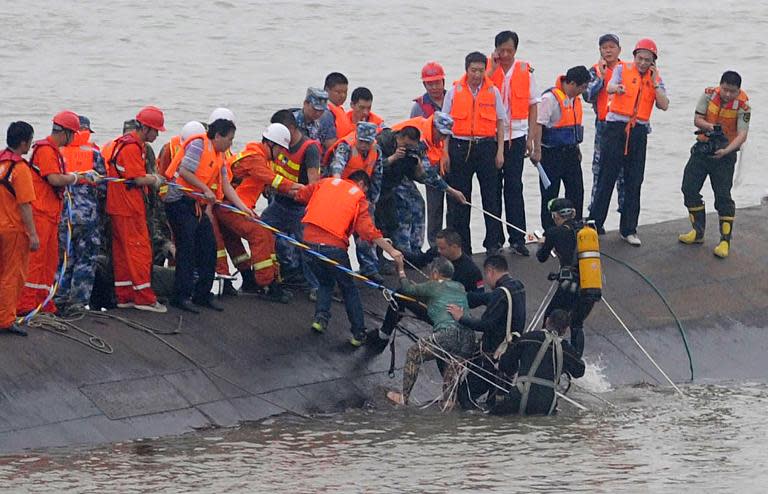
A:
[208,303]
[375,342]
[276,293]
[229,290]
[16,329]
[185,305]
[358,339]
[519,248]
[493,251]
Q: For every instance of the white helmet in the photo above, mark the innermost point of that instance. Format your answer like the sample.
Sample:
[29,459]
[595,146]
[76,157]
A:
[278,134]
[191,128]
[221,113]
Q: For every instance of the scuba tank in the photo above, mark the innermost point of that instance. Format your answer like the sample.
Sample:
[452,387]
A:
[588,255]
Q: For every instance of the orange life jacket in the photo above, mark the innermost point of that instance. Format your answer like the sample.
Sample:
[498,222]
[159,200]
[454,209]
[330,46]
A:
[568,131]
[344,124]
[474,116]
[601,105]
[208,170]
[519,96]
[112,150]
[291,165]
[639,96]
[725,115]
[372,118]
[334,206]
[356,160]
[78,155]
[249,188]
[41,182]
[8,156]
[426,127]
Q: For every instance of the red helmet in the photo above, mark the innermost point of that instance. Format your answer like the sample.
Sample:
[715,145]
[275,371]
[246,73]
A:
[152,117]
[432,71]
[646,44]
[67,120]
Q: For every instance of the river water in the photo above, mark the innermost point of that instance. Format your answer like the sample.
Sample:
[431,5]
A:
[107,59]
[713,441]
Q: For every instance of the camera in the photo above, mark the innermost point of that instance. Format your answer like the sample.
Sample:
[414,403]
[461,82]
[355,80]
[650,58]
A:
[411,153]
[716,139]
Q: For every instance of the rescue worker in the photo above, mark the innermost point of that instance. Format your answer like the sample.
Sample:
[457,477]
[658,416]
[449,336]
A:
[299,164]
[336,207]
[465,272]
[561,237]
[477,146]
[18,235]
[636,88]
[252,173]
[337,85]
[515,81]
[539,358]
[448,338]
[49,178]
[504,316]
[359,151]
[433,78]
[201,166]
[315,120]
[125,158]
[722,117]
[597,94]
[560,133]
[84,158]
[360,106]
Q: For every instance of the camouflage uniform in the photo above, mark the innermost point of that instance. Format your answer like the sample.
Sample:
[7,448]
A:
[87,233]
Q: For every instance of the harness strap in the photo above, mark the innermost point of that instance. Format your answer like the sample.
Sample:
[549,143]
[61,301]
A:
[6,180]
[508,338]
[523,383]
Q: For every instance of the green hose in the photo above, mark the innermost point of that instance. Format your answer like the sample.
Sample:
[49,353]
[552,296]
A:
[664,300]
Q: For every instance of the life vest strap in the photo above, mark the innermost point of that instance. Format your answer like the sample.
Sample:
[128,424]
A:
[6,180]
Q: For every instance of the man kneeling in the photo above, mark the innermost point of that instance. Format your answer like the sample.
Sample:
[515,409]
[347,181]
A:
[539,358]
[449,338]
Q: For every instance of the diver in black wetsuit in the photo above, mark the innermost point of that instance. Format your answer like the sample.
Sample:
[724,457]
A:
[538,358]
[562,238]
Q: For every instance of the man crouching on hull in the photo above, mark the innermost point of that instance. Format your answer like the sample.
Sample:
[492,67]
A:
[538,358]
[449,338]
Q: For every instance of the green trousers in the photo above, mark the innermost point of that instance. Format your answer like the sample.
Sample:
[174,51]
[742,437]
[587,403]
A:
[720,173]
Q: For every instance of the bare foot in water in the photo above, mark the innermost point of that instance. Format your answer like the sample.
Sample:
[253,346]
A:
[395,397]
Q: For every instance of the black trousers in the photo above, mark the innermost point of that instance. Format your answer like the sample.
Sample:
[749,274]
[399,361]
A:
[511,180]
[195,250]
[612,162]
[579,307]
[720,173]
[468,158]
[562,164]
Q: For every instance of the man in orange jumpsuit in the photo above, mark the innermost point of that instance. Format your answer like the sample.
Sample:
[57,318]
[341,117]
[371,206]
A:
[17,226]
[131,246]
[252,171]
[48,178]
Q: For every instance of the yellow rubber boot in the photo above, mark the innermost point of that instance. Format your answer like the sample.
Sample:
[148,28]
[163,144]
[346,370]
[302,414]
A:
[698,217]
[726,228]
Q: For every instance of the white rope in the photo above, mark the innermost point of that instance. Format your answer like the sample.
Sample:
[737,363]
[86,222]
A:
[641,348]
[542,308]
[498,219]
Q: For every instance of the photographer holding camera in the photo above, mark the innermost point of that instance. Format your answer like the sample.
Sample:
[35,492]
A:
[722,117]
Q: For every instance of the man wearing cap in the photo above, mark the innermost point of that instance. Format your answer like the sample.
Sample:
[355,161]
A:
[49,177]
[84,158]
[314,120]
[412,154]
[636,88]
[560,133]
[515,81]
[125,158]
[597,94]
[476,147]
[359,151]
[433,78]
